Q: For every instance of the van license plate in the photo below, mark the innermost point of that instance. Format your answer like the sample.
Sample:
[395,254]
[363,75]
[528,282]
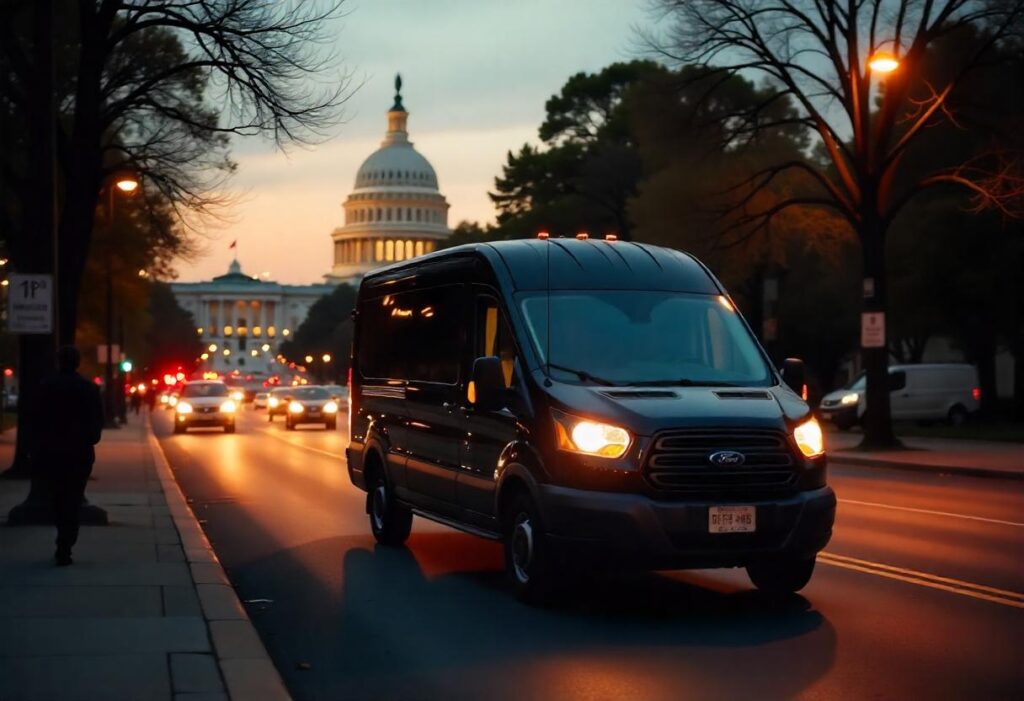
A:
[732,519]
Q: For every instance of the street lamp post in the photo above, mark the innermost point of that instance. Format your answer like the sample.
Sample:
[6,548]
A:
[128,185]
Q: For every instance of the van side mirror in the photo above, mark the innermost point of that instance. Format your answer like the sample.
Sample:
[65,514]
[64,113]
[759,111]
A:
[487,384]
[793,374]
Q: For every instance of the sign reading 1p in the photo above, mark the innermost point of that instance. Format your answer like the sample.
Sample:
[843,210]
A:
[30,304]
[872,330]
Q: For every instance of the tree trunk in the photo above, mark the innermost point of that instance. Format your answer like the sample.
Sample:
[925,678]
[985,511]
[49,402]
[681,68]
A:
[33,247]
[878,431]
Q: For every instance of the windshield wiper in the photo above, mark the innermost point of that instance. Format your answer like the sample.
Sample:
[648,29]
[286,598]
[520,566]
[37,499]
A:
[583,375]
[682,382]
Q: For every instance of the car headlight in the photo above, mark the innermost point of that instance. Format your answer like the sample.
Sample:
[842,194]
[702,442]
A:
[228,406]
[164,398]
[331,408]
[172,400]
[590,437]
[809,438]
[848,399]
[273,402]
[183,408]
[295,408]
[238,396]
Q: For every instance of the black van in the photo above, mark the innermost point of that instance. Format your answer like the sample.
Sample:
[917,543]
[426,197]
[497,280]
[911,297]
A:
[592,401]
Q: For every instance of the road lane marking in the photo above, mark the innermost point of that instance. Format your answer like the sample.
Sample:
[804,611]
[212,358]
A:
[300,445]
[924,579]
[931,512]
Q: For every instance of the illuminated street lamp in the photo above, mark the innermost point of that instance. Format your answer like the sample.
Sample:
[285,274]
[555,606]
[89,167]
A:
[883,62]
[127,184]
[326,357]
[309,359]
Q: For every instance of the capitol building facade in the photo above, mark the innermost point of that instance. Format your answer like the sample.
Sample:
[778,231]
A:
[396,210]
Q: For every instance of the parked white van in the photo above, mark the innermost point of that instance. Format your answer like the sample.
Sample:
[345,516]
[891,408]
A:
[924,392]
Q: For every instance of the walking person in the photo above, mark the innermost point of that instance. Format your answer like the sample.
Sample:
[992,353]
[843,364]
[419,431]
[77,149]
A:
[69,421]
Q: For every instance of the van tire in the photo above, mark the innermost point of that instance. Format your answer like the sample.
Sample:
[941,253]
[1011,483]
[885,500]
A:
[957,415]
[390,522]
[528,560]
[781,576]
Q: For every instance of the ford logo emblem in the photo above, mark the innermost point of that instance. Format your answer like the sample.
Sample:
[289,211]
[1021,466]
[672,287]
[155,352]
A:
[726,458]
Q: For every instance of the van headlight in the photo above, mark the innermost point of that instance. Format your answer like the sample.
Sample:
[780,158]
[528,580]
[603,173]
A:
[228,407]
[590,437]
[809,438]
[331,408]
[848,399]
[183,408]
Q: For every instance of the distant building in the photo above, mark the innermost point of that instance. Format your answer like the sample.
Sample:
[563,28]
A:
[396,210]
[242,319]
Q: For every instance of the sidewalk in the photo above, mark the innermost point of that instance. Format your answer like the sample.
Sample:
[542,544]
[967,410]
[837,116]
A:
[145,612]
[944,455]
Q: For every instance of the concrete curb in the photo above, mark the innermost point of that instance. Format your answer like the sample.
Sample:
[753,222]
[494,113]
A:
[244,663]
[961,470]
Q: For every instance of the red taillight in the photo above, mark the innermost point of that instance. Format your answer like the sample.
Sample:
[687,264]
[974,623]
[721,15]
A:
[976,394]
[349,380]
[803,392]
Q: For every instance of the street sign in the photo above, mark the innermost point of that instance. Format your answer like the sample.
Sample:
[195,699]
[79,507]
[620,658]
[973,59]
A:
[30,304]
[101,354]
[872,330]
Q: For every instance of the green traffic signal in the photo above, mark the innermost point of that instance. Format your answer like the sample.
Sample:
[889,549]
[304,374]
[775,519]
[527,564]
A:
[126,366]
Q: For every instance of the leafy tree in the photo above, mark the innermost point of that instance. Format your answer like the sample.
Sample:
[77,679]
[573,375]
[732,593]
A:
[819,53]
[583,176]
[326,329]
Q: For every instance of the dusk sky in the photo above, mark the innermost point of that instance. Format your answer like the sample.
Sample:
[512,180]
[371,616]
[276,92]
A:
[476,76]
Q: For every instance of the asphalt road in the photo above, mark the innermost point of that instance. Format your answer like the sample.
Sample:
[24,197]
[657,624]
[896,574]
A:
[920,594]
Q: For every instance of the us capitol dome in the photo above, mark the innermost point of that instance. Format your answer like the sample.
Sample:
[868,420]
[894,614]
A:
[396,210]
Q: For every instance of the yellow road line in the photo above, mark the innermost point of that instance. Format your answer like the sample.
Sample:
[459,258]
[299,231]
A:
[924,579]
[930,512]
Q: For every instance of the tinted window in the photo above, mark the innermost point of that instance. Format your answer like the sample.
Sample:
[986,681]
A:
[897,380]
[493,337]
[412,335]
[648,337]
[311,393]
[205,389]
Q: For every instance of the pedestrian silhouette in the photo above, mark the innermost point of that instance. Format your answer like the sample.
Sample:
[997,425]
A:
[69,420]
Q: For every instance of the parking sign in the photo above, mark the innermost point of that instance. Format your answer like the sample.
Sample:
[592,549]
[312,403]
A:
[30,304]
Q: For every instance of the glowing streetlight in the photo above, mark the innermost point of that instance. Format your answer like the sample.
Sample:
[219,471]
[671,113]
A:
[326,357]
[883,62]
[309,359]
[127,184]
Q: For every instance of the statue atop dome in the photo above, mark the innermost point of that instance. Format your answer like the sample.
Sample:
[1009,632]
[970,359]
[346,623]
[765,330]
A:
[397,107]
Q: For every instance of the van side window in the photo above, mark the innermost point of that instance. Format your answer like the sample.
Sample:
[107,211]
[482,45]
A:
[494,337]
[897,380]
[413,336]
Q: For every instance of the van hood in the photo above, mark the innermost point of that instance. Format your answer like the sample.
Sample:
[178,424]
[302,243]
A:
[646,410]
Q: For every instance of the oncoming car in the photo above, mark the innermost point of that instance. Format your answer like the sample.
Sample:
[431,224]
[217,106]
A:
[311,405]
[583,400]
[277,402]
[204,404]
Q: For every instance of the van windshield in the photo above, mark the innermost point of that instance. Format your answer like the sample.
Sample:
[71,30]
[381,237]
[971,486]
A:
[630,337]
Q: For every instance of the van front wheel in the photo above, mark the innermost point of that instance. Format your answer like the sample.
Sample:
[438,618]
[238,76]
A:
[390,522]
[782,576]
[527,553]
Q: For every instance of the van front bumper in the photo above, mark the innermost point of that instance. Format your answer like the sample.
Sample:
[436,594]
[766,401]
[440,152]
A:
[632,529]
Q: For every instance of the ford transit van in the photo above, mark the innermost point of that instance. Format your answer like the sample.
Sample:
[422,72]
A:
[583,401]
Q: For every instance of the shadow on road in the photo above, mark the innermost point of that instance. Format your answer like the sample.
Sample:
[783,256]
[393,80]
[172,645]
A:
[436,621]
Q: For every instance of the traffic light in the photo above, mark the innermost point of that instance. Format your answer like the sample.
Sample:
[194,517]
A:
[126,366]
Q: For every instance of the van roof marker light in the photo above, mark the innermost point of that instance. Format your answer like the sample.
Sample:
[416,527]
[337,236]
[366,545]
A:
[611,237]
[724,301]
[582,236]
[543,235]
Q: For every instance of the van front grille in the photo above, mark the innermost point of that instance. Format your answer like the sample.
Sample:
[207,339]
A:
[679,461]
